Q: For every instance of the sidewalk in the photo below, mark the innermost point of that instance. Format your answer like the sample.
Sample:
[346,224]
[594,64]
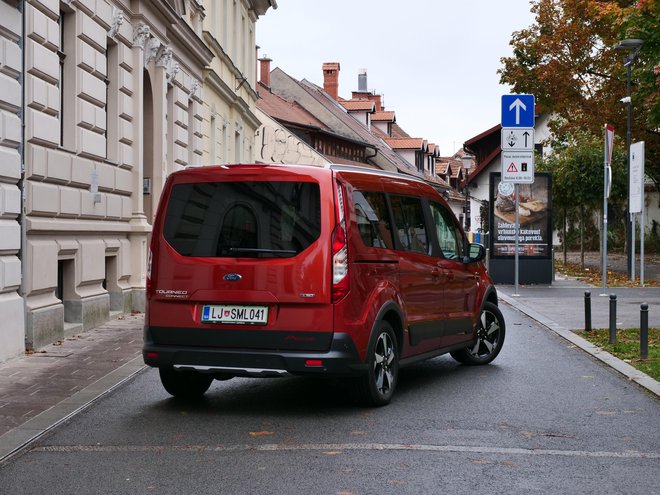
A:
[560,308]
[41,390]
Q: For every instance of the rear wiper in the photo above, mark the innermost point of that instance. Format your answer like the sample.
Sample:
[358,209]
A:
[265,251]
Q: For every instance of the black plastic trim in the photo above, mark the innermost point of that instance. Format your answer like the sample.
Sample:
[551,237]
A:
[341,358]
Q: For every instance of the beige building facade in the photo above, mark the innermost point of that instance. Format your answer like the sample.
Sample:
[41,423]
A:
[101,101]
[112,106]
[229,92]
[12,324]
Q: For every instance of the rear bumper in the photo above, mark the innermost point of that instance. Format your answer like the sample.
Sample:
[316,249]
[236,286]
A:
[341,359]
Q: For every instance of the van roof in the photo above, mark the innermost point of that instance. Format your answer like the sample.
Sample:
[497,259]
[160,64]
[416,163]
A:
[331,166]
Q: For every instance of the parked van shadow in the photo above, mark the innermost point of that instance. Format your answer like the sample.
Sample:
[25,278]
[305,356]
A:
[304,396]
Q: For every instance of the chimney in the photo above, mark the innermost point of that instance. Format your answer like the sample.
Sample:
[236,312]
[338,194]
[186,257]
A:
[377,100]
[264,70]
[331,79]
[362,81]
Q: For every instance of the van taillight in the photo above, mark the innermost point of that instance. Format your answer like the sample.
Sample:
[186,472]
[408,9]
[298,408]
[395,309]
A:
[149,256]
[340,281]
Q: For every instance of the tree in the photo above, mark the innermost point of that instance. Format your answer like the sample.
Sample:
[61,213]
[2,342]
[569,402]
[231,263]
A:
[568,61]
[578,179]
[644,23]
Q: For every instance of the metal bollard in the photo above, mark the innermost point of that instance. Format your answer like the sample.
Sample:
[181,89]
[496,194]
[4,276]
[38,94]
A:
[612,318]
[587,311]
[644,331]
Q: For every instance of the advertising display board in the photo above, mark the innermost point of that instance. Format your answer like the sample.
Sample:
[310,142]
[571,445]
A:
[534,217]
[534,230]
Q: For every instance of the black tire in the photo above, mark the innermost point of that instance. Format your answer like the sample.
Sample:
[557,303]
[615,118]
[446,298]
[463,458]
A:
[490,338]
[185,384]
[377,386]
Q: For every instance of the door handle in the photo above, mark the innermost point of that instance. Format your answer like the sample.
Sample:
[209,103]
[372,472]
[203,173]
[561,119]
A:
[435,273]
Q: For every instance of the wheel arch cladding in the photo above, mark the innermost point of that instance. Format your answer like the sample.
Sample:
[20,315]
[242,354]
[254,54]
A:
[391,313]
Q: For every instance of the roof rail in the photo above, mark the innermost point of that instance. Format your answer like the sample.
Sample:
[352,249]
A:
[375,171]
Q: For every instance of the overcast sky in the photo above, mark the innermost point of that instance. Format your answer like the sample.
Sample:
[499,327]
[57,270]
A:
[434,61]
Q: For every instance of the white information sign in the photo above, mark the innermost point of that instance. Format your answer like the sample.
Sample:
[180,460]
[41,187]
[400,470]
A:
[518,167]
[517,138]
[636,176]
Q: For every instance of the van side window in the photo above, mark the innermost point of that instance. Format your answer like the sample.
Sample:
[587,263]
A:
[448,232]
[409,221]
[373,219]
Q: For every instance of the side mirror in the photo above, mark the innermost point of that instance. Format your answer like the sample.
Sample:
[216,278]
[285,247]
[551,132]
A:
[476,252]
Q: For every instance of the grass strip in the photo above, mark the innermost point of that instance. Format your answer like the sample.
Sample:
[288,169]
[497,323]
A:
[627,347]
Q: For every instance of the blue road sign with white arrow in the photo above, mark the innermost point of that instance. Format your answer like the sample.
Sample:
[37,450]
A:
[517,110]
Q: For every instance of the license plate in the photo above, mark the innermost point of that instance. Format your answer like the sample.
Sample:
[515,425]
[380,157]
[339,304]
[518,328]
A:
[241,315]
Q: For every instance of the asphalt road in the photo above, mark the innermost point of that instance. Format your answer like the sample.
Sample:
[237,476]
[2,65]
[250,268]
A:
[543,418]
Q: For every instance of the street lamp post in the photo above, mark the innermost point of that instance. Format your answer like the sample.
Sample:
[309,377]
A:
[467,162]
[633,46]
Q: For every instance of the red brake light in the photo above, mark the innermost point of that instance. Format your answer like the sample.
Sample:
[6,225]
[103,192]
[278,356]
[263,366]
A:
[148,284]
[338,239]
[340,281]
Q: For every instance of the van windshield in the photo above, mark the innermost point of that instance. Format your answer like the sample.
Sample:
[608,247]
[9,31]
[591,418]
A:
[265,219]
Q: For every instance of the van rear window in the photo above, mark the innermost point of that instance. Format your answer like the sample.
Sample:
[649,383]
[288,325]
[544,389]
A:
[243,219]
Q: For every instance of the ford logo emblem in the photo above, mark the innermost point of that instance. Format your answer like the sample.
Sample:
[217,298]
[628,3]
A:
[232,277]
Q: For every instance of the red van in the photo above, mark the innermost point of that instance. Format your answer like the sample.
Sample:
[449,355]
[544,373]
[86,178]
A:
[268,270]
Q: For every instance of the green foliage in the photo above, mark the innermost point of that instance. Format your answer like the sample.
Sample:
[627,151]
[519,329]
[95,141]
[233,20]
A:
[577,165]
[567,59]
[644,23]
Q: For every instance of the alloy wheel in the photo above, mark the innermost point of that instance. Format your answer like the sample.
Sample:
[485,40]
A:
[488,334]
[383,368]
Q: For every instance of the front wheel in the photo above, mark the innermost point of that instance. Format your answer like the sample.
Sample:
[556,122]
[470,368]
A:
[185,384]
[490,338]
[376,387]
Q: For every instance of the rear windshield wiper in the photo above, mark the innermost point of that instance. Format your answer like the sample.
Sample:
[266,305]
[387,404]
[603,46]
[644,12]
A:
[265,251]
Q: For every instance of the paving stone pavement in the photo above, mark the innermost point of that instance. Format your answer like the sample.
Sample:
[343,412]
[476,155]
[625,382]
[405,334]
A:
[33,383]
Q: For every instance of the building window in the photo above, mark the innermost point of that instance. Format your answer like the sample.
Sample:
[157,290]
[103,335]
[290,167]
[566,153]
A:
[214,18]
[225,20]
[62,56]
[68,69]
[238,148]
[214,140]
[419,161]
[243,47]
[225,142]
[539,150]
[234,47]
[112,96]
[252,67]
[191,131]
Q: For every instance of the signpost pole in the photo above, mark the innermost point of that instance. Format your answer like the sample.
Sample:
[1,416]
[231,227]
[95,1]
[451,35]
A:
[605,187]
[633,222]
[517,230]
[641,247]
